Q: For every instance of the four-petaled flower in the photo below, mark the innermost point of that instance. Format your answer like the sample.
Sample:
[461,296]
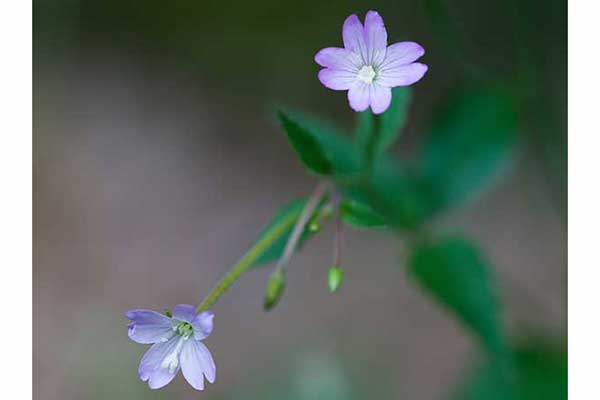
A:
[367,67]
[176,343]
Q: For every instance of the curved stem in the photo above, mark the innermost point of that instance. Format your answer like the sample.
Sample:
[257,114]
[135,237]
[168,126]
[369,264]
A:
[307,212]
[270,237]
[246,261]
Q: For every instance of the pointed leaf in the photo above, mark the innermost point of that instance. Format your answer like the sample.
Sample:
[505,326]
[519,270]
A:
[453,272]
[539,371]
[468,143]
[360,215]
[307,147]
[335,154]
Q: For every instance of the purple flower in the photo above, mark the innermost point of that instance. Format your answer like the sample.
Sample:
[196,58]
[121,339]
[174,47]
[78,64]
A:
[176,343]
[367,67]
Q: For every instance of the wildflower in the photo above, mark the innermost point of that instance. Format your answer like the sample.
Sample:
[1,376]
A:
[367,67]
[176,344]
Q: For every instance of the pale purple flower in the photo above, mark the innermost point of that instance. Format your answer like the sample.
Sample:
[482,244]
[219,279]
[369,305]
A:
[176,344]
[367,67]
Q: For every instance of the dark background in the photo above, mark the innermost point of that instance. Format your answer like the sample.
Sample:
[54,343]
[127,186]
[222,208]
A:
[156,162]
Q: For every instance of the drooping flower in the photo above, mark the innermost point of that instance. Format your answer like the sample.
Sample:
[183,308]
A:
[176,344]
[367,67]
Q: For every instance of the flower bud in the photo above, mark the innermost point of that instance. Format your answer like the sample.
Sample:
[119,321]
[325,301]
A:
[314,227]
[336,275]
[275,288]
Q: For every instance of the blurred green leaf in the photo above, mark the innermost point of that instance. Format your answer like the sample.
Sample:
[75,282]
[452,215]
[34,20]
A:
[468,142]
[539,372]
[453,272]
[394,192]
[307,147]
[283,224]
[360,215]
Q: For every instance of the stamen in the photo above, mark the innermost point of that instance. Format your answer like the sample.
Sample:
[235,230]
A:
[171,361]
[366,74]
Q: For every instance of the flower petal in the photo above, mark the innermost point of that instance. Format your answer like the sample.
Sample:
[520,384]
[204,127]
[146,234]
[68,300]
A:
[358,96]
[336,79]
[150,366]
[338,58]
[184,312]
[148,326]
[375,38]
[380,98]
[203,325]
[402,76]
[353,35]
[197,362]
[161,378]
[402,53]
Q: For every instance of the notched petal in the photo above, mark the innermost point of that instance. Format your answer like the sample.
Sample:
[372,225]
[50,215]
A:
[358,96]
[148,326]
[203,325]
[402,53]
[197,363]
[336,79]
[402,76]
[353,35]
[338,58]
[375,38]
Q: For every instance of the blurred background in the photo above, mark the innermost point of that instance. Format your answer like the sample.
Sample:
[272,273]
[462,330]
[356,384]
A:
[157,161]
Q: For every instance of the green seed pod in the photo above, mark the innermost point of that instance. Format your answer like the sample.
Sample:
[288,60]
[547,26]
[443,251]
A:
[314,227]
[336,275]
[275,288]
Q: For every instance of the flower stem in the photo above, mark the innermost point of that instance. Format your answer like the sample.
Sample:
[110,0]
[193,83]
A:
[246,261]
[371,146]
[270,237]
[307,212]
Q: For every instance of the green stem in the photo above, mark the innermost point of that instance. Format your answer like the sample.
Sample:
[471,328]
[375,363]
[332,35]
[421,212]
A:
[249,258]
[370,150]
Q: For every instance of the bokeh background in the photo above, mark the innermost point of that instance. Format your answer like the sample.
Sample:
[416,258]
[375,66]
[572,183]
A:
[157,161]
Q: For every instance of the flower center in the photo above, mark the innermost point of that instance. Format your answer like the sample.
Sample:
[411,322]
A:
[366,74]
[185,329]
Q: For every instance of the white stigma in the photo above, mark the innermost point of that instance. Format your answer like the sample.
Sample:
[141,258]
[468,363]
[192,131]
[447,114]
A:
[366,74]
[171,361]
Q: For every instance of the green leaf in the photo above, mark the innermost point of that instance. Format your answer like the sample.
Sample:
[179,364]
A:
[398,195]
[307,147]
[338,149]
[282,225]
[360,215]
[539,371]
[469,141]
[389,124]
[453,272]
